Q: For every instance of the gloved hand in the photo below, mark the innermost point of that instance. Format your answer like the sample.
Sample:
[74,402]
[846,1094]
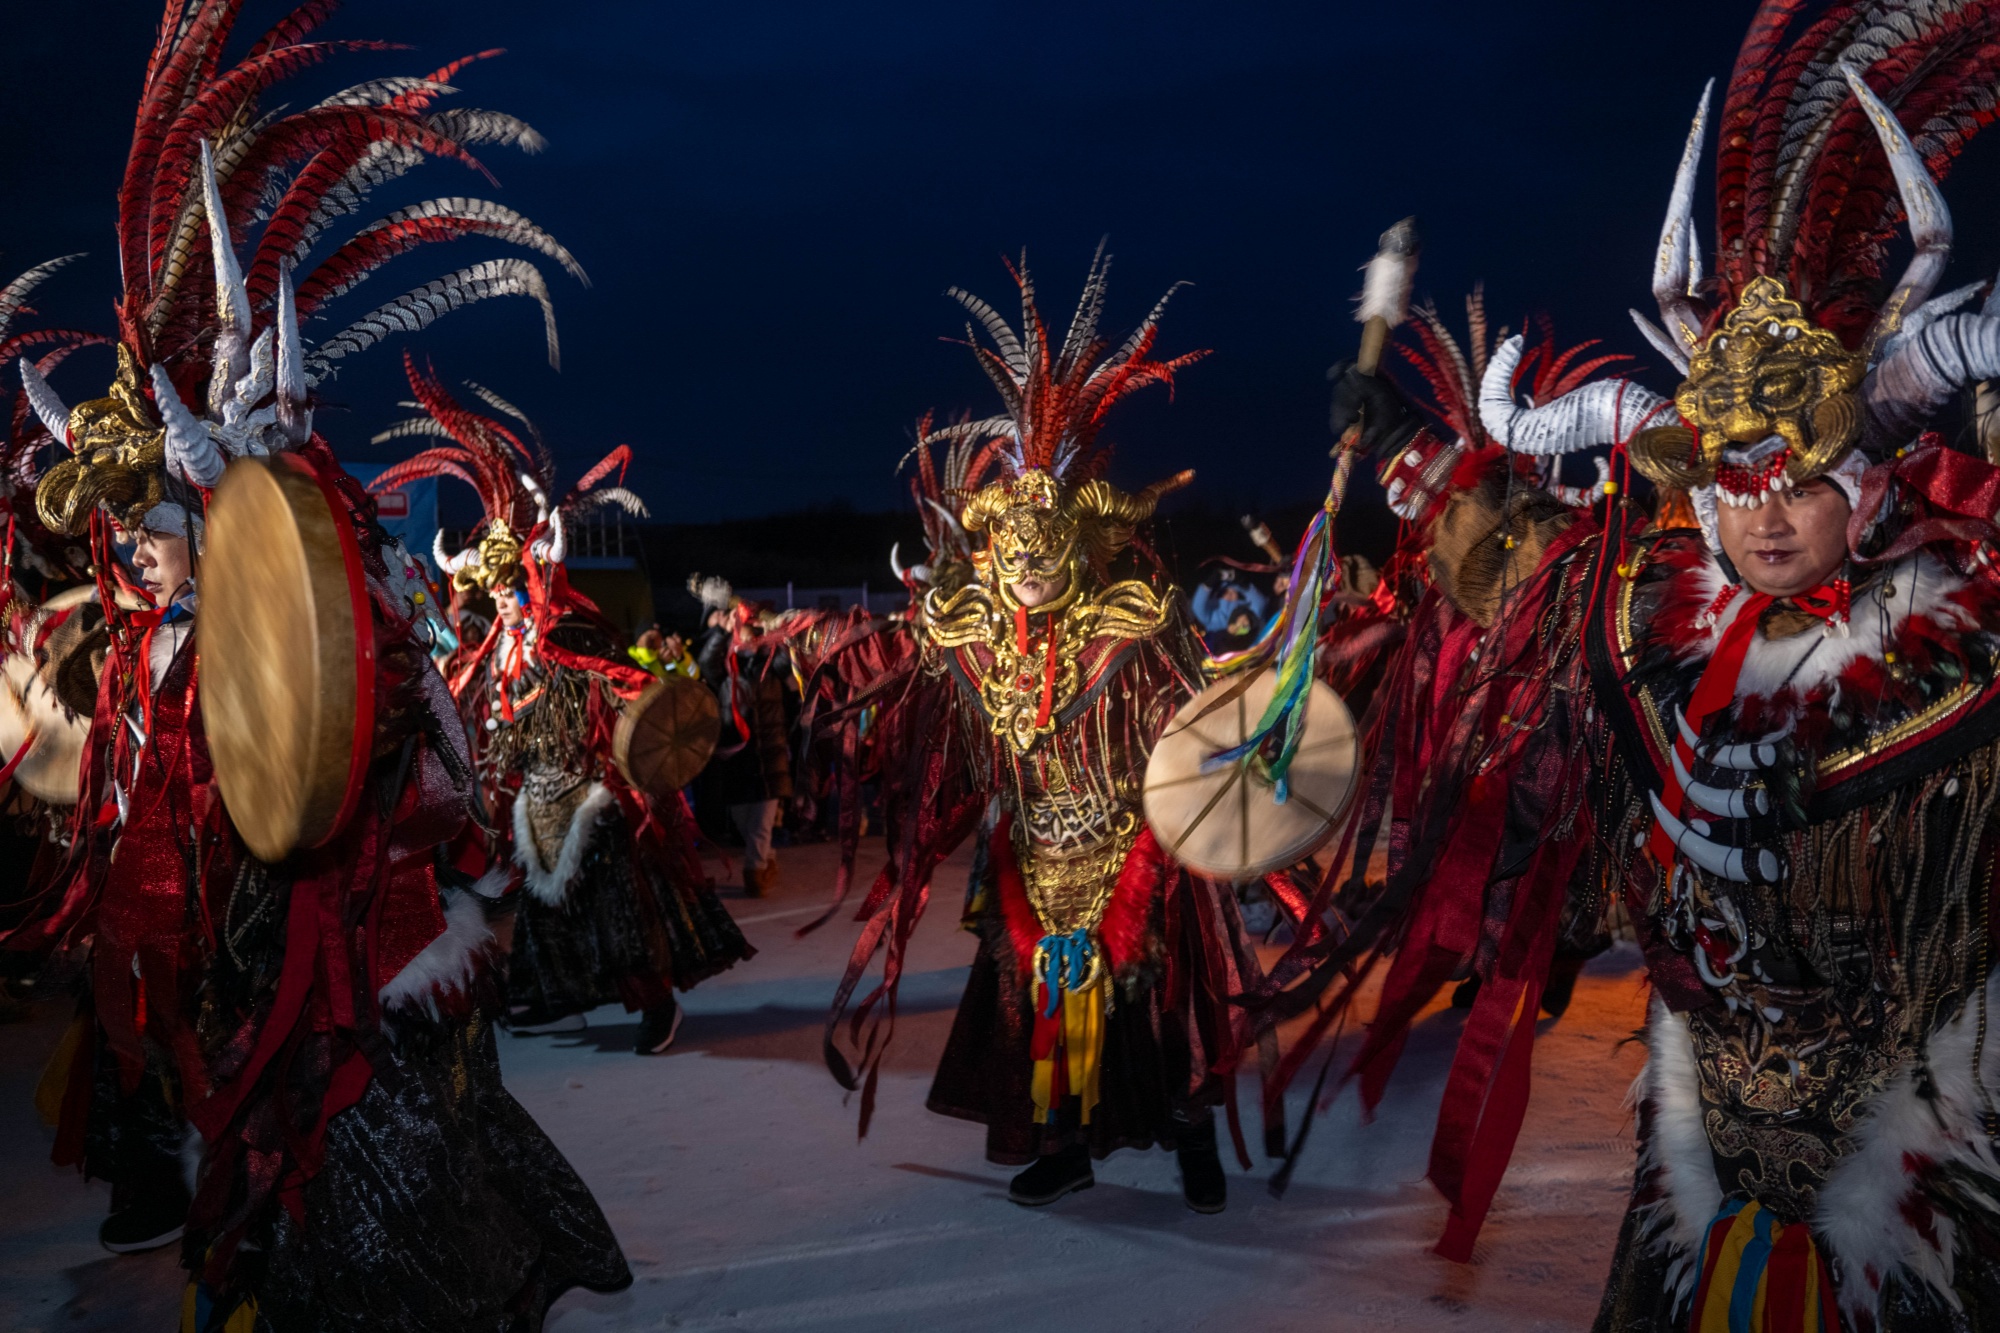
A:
[1388,420]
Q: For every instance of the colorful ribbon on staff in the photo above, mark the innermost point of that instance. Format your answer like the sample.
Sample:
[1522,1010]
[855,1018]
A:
[1290,643]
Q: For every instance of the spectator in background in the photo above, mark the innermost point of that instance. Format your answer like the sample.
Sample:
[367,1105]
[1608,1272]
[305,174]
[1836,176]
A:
[1229,610]
[663,654]
[751,773]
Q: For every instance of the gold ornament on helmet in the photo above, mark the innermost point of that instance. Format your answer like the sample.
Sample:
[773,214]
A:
[1768,376]
[118,458]
[496,561]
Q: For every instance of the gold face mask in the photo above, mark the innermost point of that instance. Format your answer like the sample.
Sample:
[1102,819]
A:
[1767,372]
[118,458]
[1032,531]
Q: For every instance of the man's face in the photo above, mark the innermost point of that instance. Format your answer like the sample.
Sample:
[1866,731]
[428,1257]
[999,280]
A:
[163,564]
[1041,581]
[1790,544]
[507,605]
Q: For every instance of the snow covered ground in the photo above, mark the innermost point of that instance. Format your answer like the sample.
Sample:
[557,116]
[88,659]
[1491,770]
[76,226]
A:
[731,1171]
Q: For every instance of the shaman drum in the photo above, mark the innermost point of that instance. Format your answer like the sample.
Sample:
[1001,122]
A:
[666,735]
[287,670]
[32,716]
[1228,824]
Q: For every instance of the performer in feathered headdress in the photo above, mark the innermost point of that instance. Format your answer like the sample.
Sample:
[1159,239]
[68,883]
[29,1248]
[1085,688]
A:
[1090,1023]
[1776,734]
[318,1016]
[615,905]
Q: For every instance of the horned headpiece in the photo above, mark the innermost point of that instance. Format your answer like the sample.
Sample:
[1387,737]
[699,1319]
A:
[1051,509]
[513,477]
[1793,372]
[196,326]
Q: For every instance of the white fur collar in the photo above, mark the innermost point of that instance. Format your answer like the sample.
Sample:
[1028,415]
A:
[446,963]
[1812,661]
[551,886]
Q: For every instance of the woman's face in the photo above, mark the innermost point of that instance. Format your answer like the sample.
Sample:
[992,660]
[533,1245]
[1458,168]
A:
[1792,543]
[507,605]
[163,564]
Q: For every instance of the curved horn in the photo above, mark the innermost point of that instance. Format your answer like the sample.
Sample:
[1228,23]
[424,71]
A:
[540,497]
[983,508]
[948,517]
[555,546]
[450,564]
[1930,220]
[232,302]
[1924,371]
[1662,341]
[1674,267]
[54,416]
[895,565]
[294,417]
[191,450]
[1606,412]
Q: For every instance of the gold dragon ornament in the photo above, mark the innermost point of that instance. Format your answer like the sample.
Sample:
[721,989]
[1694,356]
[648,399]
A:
[118,458]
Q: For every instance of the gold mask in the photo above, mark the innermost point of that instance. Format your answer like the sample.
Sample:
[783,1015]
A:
[118,458]
[1768,371]
[1032,529]
[498,564]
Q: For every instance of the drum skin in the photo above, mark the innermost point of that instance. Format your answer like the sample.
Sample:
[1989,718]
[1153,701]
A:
[286,670]
[1228,824]
[666,736]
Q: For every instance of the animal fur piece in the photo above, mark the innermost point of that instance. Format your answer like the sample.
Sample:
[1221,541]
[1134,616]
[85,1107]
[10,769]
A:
[551,885]
[1385,291]
[1872,1213]
[1676,1154]
[447,963]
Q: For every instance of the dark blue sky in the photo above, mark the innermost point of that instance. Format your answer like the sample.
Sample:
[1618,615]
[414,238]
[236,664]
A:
[771,198]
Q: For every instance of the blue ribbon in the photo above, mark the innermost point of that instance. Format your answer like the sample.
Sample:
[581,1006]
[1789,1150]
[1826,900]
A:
[1065,963]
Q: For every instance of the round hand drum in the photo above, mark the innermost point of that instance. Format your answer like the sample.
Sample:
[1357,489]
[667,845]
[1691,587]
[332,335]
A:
[287,672]
[31,715]
[666,735]
[1227,824]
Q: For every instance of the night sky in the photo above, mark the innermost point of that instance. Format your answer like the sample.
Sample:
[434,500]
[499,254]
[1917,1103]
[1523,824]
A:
[770,199]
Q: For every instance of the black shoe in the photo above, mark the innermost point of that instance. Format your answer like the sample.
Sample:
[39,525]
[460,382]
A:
[658,1027]
[1204,1186]
[1467,992]
[151,1222]
[1053,1176]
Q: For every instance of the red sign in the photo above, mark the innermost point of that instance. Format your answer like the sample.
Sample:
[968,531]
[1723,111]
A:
[393,504]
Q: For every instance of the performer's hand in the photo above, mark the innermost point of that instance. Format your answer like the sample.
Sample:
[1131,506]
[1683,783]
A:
[1388,421]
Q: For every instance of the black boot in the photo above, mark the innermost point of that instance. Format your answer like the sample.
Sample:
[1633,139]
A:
[1203,1184]
[1051,1177]
[149,1192]
[1561,985]
[658,1027]
[155,1218]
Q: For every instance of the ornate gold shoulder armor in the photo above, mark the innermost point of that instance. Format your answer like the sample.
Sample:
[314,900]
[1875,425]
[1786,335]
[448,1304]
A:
[968,615]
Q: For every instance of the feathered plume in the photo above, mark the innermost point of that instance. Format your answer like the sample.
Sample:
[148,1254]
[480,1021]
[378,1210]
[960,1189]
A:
[1056,397]
[513,479]
[281,179]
